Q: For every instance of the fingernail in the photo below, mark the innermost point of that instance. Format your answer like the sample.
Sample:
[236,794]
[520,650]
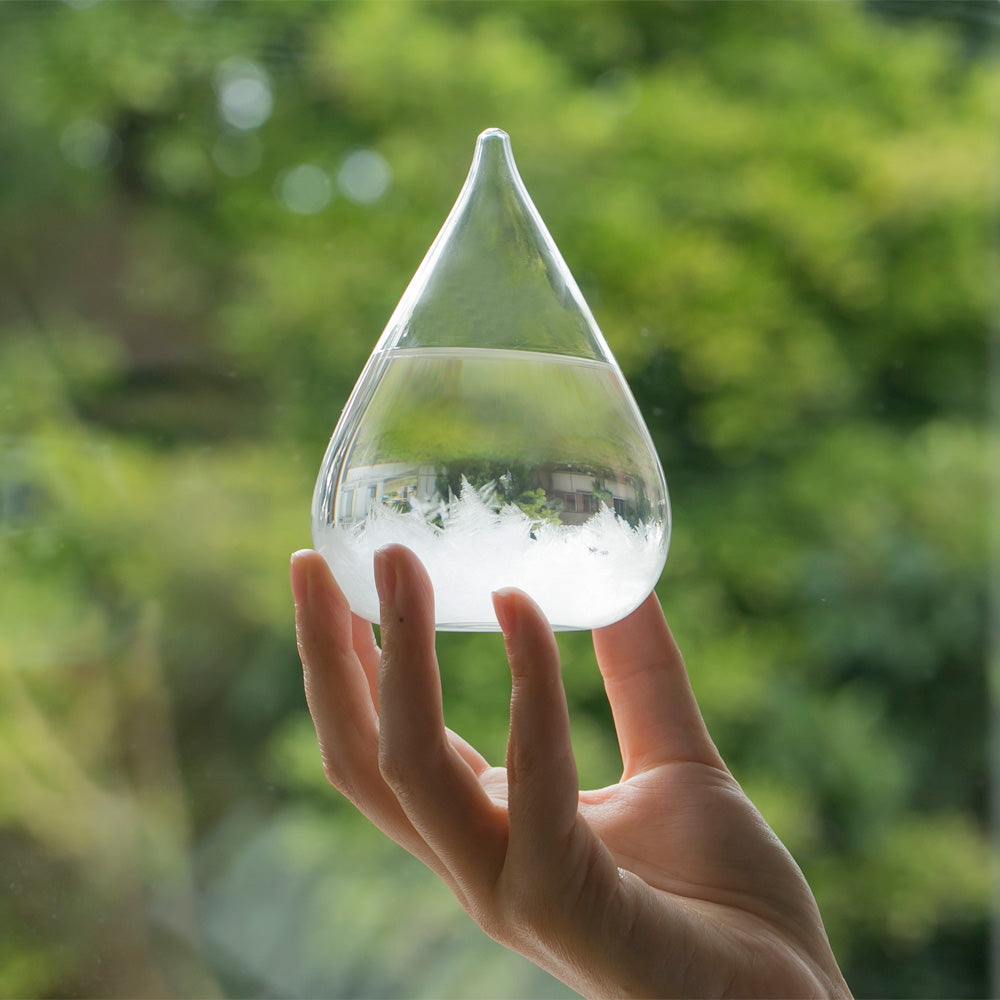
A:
[300,579]
[504,608]
[385,577]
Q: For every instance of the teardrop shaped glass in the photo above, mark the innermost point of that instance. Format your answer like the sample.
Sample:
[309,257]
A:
[493,433]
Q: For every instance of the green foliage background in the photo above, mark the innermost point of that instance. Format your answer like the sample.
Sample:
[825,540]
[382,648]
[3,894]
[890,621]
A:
[782,217]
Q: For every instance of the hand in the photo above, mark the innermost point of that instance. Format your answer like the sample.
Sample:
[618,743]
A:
[667,884]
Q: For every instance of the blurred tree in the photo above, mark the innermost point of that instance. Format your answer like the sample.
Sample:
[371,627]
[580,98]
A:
[781,215]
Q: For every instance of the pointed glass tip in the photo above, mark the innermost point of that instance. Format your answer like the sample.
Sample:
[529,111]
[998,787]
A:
[493,133]
[493,153]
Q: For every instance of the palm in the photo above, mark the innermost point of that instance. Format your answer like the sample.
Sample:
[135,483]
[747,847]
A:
[710,852]
[669,848]
[687,829]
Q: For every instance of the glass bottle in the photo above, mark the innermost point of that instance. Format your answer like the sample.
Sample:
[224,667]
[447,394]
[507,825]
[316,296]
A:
[493,433]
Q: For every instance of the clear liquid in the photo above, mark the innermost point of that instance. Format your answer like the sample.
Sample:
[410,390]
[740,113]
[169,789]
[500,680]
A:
[498,468]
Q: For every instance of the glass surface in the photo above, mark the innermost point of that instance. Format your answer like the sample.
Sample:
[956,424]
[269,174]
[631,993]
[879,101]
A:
[493,433]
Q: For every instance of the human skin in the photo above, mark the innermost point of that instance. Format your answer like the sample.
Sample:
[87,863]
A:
[666,884]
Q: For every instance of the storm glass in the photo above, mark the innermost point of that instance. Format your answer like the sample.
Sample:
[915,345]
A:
[493,433]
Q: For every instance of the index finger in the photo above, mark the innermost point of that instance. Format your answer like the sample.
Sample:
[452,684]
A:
[434,782]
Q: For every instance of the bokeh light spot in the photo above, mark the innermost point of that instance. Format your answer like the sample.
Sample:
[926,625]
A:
[364,176]
[237,154]
[244,93]
[89,145]
[305,189]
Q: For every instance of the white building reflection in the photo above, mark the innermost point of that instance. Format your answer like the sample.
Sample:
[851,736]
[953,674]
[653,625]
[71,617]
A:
[577,495]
